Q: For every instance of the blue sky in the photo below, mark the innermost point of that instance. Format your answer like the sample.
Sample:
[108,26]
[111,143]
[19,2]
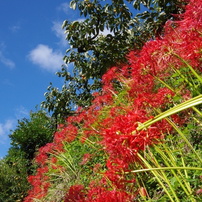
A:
[32,45]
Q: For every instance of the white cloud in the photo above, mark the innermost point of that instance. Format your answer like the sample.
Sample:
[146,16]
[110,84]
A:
[106,31]
[6,61]
[59,32]
[8,126]
[5,129]
[64,7]
[7,82]
[21,112]
[46,58]
[15,28]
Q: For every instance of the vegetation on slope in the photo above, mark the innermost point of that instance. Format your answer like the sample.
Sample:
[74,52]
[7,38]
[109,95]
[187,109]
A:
[140,140]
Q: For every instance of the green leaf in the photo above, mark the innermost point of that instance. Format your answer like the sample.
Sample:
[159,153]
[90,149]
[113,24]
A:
[180,107]
[64,24]
[73,5]
[136,4]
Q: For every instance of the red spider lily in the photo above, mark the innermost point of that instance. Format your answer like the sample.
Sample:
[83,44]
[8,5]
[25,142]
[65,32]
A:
[67,134]
[99,194]
[40,185]
[75,194]
[42,155]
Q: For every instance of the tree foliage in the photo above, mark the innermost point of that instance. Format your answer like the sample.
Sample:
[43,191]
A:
[107,32]
[32,133]
[13,176]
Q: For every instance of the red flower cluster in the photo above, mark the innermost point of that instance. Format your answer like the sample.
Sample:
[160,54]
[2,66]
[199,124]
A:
[40,183]
[75,193]
[115,123]
[96,194]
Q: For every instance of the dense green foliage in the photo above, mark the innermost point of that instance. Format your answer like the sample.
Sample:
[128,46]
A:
[13,177]
[107,32]
[30,134]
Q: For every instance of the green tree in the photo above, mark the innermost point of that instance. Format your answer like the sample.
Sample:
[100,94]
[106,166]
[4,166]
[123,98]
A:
[92,52]
[32,133]
[13,177]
